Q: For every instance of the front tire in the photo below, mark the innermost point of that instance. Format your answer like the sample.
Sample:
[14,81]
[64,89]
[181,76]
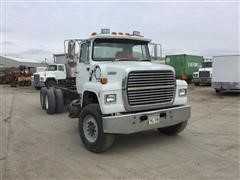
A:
[91,129]
[173,130]
[218,91]
[51,83]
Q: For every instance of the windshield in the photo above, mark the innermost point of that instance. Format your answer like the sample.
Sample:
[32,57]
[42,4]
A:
[120,49]
[52,68]
[207,64]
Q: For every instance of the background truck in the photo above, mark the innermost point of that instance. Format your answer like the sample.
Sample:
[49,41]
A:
[118,90]
[59,73]
[204,74]
[184,65]
[226,73]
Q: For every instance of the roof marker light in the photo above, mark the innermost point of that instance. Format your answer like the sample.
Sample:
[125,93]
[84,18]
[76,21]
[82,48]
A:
[105,31]
[120,33]
[136,33]
[114,33]
[94,34]
[127,34]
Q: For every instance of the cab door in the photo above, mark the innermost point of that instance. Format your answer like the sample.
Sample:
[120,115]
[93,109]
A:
[83,66]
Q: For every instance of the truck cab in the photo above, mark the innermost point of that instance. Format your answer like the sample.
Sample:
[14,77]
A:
[204,74]
[51,76]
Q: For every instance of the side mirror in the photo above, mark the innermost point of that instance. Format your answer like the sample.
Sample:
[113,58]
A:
[71,49]
[155,52]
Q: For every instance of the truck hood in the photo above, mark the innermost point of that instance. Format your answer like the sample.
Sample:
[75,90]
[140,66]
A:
[46,74]
[117,71]
[134,66]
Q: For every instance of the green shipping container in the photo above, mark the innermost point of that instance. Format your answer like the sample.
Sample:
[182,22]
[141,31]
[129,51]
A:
[184,65]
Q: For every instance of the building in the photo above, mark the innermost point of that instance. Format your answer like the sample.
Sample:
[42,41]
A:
[7,62]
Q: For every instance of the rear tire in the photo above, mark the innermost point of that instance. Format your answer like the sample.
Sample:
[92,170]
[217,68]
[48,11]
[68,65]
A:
[59,101]
[91,129]
[43,93]
[50,102]
[173,130]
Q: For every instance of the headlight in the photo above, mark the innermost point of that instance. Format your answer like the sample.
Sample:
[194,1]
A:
[182,92]
[110,98]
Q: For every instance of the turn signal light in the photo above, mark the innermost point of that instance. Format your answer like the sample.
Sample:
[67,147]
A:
[103,80]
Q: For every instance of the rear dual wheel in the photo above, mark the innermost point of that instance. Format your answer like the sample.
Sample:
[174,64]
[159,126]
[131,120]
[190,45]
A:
[51,100]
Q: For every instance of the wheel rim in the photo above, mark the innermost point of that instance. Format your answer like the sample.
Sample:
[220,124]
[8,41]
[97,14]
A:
[46,102]
[90,128]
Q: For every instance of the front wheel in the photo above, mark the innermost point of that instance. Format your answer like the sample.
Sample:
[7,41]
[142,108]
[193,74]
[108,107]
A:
[173,130]
[91,129]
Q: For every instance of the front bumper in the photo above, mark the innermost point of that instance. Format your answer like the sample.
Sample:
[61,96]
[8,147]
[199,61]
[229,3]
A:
[137,122]
[195,80]
[38,84]
[205,80]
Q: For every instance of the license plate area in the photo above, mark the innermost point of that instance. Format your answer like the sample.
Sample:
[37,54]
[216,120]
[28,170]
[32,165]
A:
[153,119]
[156,118]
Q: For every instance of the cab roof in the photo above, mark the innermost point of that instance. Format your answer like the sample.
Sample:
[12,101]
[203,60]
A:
[127,37]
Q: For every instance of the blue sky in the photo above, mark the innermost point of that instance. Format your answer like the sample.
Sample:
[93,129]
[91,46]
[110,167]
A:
[36,30]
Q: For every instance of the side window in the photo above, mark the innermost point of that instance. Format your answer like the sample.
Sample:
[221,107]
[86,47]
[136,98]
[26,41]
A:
[60,68]
[84,57]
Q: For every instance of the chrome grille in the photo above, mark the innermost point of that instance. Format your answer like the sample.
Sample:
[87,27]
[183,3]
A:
[204,74]
[150,87]
[36,78]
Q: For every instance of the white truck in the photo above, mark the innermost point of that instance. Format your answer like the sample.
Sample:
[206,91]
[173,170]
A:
[119,90]
[61,72]
[204,74]
[226,73]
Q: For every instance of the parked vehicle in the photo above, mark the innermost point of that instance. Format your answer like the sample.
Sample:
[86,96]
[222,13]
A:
[226,73]
[204,74]
[61,72]
[184,65]
[118,90]
[3,75]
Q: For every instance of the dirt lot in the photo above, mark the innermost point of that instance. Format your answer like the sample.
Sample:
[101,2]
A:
[35,145]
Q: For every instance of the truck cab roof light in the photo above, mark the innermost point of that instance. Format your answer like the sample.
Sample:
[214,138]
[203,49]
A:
[136,33]
[94,34]
[105,31]
[114,33]
[120,33]
[127,34]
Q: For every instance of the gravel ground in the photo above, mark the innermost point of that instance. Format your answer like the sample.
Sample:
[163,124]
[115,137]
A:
[35,145]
